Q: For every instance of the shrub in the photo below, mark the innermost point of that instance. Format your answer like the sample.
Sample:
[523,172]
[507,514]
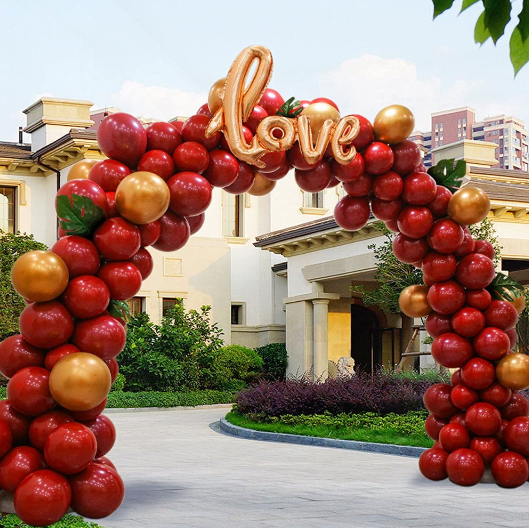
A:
[68,521]
[275,360]
[168,399]
[119,384]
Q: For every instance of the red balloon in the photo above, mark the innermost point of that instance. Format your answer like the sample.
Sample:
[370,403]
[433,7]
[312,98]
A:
[378,158]
[175,233]
[352,213]
[516,435]
[437,400]
[454,436]
[46,324]
[179,125]
[483,419]
[388,186]
[204,110]
[478,373]
[487,447]
[86,297]
[117,239]
[432,463]
[463,397]
[79,254]
[512,334]
[438,324]
[246,132]
[16,353]
[468,322]
[459,418]
[42,498]
[445,236]
[415,222]
[70,448]
[465,467]
[194,129]
[439,266]
[325,100]
[485,248]
[105,433]
[271,101]
[17,422]
[386,210]
[85,188]
[350,172]
[439,205]
[143,261]
[91,414]
[517,406]
[157,162]
[510,470]
[475,271]
[190,194]
[496,394]
[257,115]
[407,156]
[282,171]
[111,200]
[467,246]
[223,168]
[6,438]
[191,156]
[409,250]
[446,297]
[105,461]
[113,366]
[149,233]
[163,136]
[196,222]
[108,174]
[359,188]
[97,491]
[17,465]
[392,226]
[433,425]
[123,279]
[28,391]
[479,299]
[44,425]
[419,188]
[244,181]
[501,314]
[456,377]
[316,179]
[492,343]
[296,159]
[273,161]
[102,336]
[56,354]
[451,350]
[366,134]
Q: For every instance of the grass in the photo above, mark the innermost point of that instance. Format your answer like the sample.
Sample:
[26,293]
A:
[407,429]
[68,521]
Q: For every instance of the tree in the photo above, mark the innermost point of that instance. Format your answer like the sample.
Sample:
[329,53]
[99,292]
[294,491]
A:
[11,247]
[492,23]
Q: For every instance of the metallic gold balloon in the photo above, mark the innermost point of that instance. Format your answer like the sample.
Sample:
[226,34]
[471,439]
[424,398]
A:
[261,186]
[394,124]
[413,301]
[142,197]
[80,381]
[39,276]
[468,206]
[519,304]
[214,99]
[81,169]
[513,371]
[318,113]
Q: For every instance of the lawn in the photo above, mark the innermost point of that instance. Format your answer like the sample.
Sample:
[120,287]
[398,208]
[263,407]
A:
[68,521]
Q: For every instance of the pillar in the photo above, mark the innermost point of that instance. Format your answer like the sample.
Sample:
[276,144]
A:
[321,334]
[299,330]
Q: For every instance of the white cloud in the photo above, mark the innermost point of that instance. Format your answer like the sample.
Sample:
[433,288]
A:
[157,102]
[367,84]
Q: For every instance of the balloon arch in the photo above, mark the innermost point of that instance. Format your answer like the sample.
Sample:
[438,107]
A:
[153,191]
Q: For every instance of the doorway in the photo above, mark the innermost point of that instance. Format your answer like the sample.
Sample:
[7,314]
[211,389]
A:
[366,339]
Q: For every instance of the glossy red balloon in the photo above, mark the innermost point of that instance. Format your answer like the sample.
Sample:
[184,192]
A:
[17,465]
[143,261]
[70,448]
[467,246]
[56,354]
[456,377]
[478,373]
[475,271]
[359,188]
[123,279]
[487,447]
[194,130]
[352,213]
[459,418]
[378,158]
[366,134]
[439,205]
[492,343]
[409,250]
[175,232]
[483,419]
[223,168]
[283,170]
[415,221]
[446,297]
[350,172]
[468,322]
[190,194]
[438,324]
[42,426]
[485,248]
[102,336]
[108,174]
[496,394]
[445,236]
[28,391]
[6,438]
[97,491]
[91,414]
[439,266]
[387,186]
[86,297]
[465,467]
[386,210]
[163,136]
[407,156]
[18,423]
[432,463]
[273,161]
[516,435]
[501,314]
[513,337]
[191,156]
[510,470]
[325,100]
[463,397]
[296,159]
[111,200]
[79,254]
[433,425]
[85,188]
[451,350]
[244,181]
[246,132]
[257,115]
[419,188]
[16,353]
[149,233]
[271,101]
[454,436]
[479,299]
[517,406]
[158,162]
[105,461]
[117,239]
[113,366]
[437,400]
[196,222]
[316,179]
[105,433]
[42,498]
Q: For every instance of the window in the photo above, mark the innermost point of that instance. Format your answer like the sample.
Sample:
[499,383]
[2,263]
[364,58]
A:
[232,215]
[7,209]
[168,303]
[464,121]
[495,133]
[314,200]
[436,127]
[237,314]
[459,123]
[136,305]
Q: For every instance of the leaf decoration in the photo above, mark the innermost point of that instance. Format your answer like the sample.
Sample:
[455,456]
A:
[505,288]
[467,4]
[80,216]
[449,173]
[290,108]
[440,6]
[519,43]
[119,309]
[497,16]
[481,31]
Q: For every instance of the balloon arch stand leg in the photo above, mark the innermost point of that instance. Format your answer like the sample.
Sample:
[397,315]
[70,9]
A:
[154,189]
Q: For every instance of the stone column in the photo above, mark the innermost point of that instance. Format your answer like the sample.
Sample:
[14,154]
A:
[299,336]
[321,357]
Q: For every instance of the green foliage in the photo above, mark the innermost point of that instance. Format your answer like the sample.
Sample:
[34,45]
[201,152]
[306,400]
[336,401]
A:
[80,215]
[449,173]
[484,230]
[275,360]
[11,247]
[136,400]
[492,23]
[505,288]
[68,521]
[392,275]
[433,375]
[119,384]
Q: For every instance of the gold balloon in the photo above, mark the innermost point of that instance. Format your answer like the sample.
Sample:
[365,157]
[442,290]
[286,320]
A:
[80,381]
[394,124]
[318,113]
[261,186]
[413,301]
[39,276]
[519,304]
[142,197]
[468,206]
[214,100]
[81,170]
[513,371]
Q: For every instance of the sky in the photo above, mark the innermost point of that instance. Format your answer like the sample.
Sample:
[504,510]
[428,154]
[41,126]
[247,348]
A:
[158,58]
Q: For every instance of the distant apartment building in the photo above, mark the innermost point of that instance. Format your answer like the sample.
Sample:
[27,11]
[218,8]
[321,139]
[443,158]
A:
[451,126]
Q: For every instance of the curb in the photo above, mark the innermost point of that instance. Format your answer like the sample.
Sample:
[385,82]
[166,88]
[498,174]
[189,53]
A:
[113,410]
[371,447]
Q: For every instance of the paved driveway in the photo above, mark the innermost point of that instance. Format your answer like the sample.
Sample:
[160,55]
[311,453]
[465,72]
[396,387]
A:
[180,472]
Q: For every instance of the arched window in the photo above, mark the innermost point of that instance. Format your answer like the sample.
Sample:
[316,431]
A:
[7,209]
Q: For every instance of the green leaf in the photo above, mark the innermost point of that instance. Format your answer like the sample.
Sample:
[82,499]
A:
[497,16]
[523,17]
[449,173]
[290,108]
[505,288]
[80,216]
[519,50]
[440,6]
[467,4]
[481,32]
[119,309]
